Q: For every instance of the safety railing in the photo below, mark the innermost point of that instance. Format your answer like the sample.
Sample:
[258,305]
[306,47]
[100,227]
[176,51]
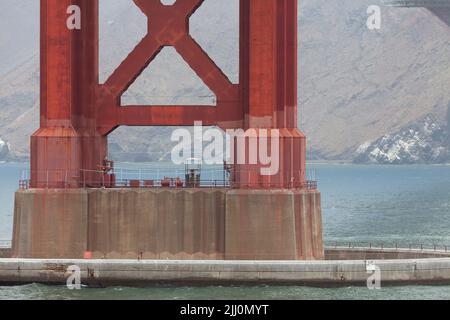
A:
[148,184]
[24,184]
[386,245]
[155,178]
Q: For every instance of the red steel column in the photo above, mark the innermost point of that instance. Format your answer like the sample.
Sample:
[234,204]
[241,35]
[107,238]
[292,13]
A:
[269,78]
[86,61]
[68,80]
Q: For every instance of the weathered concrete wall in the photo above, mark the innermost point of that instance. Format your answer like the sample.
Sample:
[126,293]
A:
[308,215]
[273,225]
[50,223]
[168,224]
[157,223]
[133,272]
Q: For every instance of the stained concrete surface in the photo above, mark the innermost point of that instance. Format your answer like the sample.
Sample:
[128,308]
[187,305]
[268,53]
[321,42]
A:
[177,224]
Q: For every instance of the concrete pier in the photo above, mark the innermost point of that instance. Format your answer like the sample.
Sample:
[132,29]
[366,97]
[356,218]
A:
[168,223]
[147,272]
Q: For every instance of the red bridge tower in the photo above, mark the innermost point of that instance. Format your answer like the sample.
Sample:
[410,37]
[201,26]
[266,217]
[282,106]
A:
[267,217]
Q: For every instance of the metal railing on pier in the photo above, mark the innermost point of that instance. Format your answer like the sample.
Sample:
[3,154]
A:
[154,178]
[386,245]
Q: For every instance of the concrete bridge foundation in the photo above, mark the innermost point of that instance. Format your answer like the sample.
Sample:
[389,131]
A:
[174,224]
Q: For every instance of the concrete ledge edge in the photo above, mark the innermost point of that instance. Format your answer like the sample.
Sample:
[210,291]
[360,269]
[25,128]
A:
[145,272]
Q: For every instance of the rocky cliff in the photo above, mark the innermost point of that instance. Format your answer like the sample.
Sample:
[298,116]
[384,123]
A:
[425,141]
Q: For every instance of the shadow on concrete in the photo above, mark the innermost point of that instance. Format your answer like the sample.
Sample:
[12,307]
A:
[442,13]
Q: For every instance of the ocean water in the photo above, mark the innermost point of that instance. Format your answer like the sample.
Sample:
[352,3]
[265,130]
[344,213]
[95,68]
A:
[380,205]
[42,292]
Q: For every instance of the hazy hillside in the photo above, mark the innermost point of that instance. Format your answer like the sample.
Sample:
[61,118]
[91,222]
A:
[19,32]
[356,85]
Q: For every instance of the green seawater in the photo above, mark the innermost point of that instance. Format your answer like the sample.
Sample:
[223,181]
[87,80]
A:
[39,292]
[381,205]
